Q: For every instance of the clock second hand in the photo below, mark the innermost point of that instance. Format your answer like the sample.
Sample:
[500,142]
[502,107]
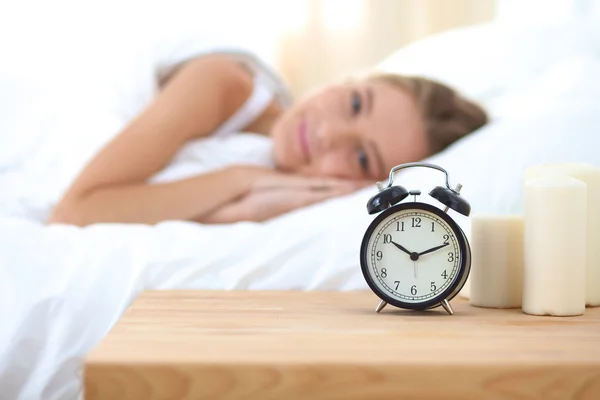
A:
[413,256]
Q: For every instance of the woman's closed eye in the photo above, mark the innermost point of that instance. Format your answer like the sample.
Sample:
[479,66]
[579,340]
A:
[363,161]
[356,102]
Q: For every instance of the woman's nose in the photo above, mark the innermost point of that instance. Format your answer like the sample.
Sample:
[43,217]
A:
[332,135]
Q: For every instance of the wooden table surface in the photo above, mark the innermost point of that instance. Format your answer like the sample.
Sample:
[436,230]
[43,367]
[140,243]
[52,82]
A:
[332,345]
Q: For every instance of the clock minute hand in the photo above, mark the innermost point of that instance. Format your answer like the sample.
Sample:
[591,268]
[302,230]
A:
[401,248]
[433,249]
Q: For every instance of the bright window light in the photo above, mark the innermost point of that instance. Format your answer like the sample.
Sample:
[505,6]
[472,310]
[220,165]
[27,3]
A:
[343,14]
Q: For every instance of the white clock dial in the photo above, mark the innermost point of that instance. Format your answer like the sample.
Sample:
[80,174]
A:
[413,255]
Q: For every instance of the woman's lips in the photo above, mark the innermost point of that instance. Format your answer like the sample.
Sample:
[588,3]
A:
[303,140]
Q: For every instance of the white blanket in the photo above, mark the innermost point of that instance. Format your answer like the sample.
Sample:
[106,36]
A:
[62,288]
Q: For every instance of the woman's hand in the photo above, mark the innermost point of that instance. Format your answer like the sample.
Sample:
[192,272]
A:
[274,193]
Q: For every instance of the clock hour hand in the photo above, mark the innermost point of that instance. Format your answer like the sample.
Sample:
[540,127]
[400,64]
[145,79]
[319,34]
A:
[433,249]
[401,248]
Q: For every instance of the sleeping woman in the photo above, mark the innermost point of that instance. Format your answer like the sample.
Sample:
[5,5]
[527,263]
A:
[334,141]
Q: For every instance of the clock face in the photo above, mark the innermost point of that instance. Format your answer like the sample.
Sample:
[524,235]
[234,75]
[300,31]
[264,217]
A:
[412,255]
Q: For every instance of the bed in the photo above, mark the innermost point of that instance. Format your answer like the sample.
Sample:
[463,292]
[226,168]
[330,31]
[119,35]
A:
[62,287]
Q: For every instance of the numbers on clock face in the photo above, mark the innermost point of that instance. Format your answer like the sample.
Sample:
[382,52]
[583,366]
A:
[413,255]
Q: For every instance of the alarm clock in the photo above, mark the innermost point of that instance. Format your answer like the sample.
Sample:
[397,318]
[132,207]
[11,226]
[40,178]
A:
[413,254]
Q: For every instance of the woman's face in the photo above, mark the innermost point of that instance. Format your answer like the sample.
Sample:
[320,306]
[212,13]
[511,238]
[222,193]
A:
[355,131]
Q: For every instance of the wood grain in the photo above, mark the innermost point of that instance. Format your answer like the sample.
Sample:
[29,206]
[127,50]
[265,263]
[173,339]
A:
[332,345]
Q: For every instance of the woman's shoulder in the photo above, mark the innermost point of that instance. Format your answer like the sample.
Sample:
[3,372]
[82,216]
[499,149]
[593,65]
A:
[234,79]
[247,87]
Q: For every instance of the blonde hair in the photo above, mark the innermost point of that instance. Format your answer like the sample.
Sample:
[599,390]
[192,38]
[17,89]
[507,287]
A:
[447,115]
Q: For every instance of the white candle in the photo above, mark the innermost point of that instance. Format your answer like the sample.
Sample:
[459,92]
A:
[554,246]
[497,263]
[590,175]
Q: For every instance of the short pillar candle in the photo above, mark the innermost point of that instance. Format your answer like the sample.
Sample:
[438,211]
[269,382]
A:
[497,264]
[554,246]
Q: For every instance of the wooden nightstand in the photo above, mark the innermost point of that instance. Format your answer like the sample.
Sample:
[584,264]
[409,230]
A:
[332,345]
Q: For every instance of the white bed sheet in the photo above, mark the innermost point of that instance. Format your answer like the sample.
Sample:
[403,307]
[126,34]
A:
[62,288]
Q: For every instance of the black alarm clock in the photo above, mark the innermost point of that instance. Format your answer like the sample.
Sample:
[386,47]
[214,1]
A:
[414,255]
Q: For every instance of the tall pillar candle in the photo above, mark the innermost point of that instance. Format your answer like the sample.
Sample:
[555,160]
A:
[590,175]
[497,263]
[555,246]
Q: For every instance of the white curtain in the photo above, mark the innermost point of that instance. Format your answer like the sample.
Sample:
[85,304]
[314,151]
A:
[338,37]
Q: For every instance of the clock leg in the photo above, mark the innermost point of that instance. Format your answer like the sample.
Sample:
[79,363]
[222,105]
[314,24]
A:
[381,305]
[447,307]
